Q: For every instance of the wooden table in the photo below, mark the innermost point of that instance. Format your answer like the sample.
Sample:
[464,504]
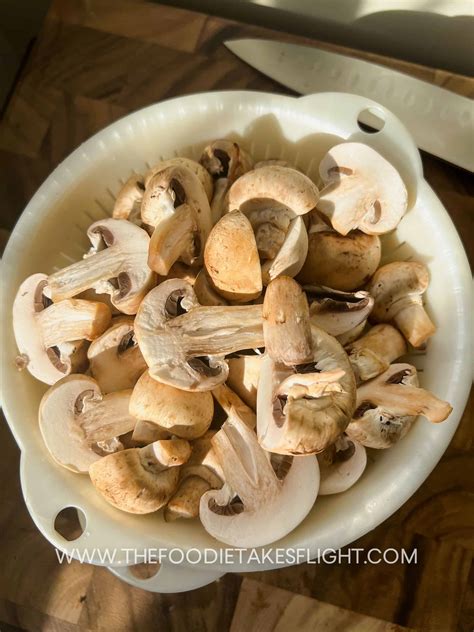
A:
[93,62]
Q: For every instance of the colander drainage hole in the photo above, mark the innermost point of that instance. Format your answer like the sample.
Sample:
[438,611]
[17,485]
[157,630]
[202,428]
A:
[145,570]
[70,523]
[371,120]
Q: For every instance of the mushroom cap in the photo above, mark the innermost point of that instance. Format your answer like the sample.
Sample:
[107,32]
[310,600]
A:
[244,372]
[340,262]
[203,175]
[388,405]
[337,312]
[183,413]
[205,293]
[117,265]
[363,190]
[74,417]
[115,358]
[231,259]
[267,508]
[311,414]
[288,187]
[130,481]
[341,465]
[48,345]
[395,286]
[292,254]
[226,159]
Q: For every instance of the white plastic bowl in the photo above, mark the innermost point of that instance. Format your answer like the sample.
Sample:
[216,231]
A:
[52,233]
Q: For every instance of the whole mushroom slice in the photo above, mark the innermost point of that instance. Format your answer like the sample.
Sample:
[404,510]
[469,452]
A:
[362,190]
[229,401]
[244,372]
[140,480]
[115,359]
[306,391]
[173,197]
[48,336]
[337,312]
[204,291]
[344,263]
[187,350]
[129,199]
[78,423]
[398,288]
[231,259]
[341,465]
[183,414]
[273,185]
[199,474]
[203,175]
[373,353]
[226,159]
[117,265]
[388,405]
[255,507]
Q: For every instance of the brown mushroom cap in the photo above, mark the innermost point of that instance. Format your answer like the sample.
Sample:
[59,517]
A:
[231,259]
[182,413]
[363,190]
[140,480]
[341,262]
[273,184]
[397,289]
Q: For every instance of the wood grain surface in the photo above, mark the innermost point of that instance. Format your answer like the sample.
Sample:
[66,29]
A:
[93,62]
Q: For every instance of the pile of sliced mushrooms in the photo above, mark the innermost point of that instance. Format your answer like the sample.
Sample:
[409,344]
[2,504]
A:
[228,347]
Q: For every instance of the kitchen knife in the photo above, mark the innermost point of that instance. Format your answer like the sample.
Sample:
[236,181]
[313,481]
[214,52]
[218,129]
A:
[441,122]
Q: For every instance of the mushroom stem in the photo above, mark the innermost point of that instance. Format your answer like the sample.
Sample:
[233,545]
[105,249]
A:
[106,416]
[415,324]
[221,186]
[73,319]
[164,453]
[172,239]
[228,400]
[286,322]
[185,502]
[373,353]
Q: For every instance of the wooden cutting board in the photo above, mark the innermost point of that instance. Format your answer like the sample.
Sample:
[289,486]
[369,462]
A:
[93,62]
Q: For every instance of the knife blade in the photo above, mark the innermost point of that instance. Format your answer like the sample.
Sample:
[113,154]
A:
[441,122]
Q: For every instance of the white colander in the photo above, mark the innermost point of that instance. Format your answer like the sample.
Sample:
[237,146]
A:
[51,233]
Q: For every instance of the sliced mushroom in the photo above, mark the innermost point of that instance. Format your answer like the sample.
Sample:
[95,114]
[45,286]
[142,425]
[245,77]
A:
[373,353]
[184,414]
[292,254]
[228,400]
[117,265]
[344,263]
[337,312]
[175,203]
[244,372]
[115,359]
[129,199]
[187,350]
[49,336]
[75,418]
[199,474]
[397,289]
[255,507]
[226,159]
[353,334]
[388,405]
[202,173]
[306,392]
[341,465]
[362,190]
[140,480]
[205,293]
[146,432]
[218,202]
[231,259]
[271,186]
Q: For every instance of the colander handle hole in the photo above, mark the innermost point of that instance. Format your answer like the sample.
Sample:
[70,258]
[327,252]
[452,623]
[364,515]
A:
[70,523]
[371,120]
